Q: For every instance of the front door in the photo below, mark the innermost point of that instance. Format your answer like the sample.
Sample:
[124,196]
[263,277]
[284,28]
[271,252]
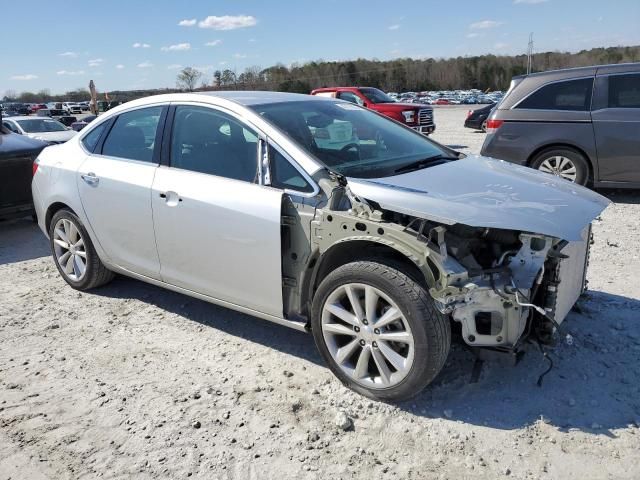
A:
[617,128]
[217,229]
[115,189]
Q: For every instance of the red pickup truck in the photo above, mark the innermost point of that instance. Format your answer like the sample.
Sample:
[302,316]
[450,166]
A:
[417,116]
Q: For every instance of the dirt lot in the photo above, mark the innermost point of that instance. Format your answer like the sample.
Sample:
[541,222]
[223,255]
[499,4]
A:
[135,381]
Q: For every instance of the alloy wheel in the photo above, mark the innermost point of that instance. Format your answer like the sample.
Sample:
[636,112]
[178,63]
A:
[559,166]
[367,335]
[70,250]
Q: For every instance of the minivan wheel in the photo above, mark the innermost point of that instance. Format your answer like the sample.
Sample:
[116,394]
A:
[74,254]
[563,163]
[379,331]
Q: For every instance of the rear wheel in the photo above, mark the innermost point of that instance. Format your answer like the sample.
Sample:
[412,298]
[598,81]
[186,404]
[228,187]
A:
[379,331]
[564,163]
[74,253]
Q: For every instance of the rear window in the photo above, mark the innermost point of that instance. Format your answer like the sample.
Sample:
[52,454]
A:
[567,95]
[624,91]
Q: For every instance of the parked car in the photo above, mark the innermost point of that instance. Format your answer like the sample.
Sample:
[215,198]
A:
[17,154]
[442,101]
[80,124]
[581,124]
[59,115]
[72,108]
[37,106]
[17,108]
[418,117]
[374,246]
[477,119]
[45,129]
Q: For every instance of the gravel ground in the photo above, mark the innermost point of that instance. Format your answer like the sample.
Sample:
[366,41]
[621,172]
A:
[134,381]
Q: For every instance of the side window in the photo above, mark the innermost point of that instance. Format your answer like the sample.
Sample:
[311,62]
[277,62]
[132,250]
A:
[569,95]
[624,91]
[133,135]
[284,175]
[11,127]
[209,141]
[90,140]
[350,97]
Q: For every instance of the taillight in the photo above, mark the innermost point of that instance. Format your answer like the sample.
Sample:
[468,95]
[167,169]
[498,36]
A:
[469,113]
[35,166]
[493,125]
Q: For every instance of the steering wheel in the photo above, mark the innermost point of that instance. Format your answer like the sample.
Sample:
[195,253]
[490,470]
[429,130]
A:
[349,146]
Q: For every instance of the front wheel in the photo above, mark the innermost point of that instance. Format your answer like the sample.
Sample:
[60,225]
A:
[379,331]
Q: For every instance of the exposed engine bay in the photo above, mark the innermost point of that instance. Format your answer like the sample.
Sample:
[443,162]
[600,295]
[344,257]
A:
[500,285]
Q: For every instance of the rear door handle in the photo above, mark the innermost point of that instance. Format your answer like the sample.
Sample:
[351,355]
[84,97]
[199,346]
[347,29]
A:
[90,178]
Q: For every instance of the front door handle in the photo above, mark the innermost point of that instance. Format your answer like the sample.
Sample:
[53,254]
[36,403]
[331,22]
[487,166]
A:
[90,178]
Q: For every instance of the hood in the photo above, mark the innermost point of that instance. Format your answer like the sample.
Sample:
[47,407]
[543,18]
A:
[483,192]
[54,136]
[396,106]
[13,144]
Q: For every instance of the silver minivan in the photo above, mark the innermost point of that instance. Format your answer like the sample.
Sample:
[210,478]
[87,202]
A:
[581,124]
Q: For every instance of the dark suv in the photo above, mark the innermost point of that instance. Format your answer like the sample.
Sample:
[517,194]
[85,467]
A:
[582,124]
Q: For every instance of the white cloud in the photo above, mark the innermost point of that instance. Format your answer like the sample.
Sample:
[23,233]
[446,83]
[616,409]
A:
[251,40]
[484,24]
[96,62]
[228,22]
[70,73]
[204,68]
[145,65]
[239,55]
[394,27]
[141,45]
[28,76]
[529,2]
[473,35]
[175,66]
[187,23]
[223,62]
[179,47]
[119,66]
[500,46]
[213,43]
[68,54]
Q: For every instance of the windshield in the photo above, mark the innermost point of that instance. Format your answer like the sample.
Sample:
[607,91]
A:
[376,96]
[37,125]
[349,139]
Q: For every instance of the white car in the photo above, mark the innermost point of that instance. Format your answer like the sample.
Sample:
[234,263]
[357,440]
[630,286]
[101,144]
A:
[40,128]
[374,245]
[72,107]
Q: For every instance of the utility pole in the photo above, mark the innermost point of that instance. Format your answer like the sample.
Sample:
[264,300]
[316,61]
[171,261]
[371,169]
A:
[530,54]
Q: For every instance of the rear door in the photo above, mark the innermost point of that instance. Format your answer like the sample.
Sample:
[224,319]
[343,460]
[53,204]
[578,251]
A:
[616,124]
[115,187]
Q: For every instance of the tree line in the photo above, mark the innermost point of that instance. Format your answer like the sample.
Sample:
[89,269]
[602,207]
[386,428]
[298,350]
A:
[484,72]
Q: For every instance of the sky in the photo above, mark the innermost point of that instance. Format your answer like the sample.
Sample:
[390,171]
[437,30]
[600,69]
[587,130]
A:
[133,44]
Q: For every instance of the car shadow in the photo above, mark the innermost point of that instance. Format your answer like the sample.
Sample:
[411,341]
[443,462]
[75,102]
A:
[21,240]
[593,385]
[621,195]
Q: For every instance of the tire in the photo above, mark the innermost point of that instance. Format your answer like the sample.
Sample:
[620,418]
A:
[67,229]
[558,160]
[421,358]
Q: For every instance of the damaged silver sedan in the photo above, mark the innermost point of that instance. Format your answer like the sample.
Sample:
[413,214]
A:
[323,216]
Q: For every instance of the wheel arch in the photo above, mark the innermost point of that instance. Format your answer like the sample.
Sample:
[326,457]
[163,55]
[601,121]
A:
[354,250]
[53,209]
[550,146]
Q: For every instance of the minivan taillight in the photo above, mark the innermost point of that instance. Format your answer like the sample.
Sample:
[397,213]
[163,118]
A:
[494,125]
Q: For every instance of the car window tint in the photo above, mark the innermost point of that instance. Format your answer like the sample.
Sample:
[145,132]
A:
[350,97]
[624,91]
[208,141]
[133,135]
[568,95]
[90,140]
[284,174]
